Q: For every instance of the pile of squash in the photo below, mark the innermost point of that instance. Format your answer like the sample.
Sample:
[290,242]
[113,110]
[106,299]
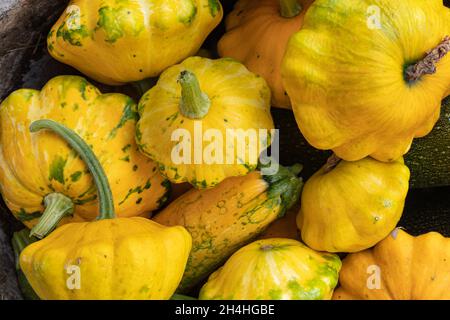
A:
[90,175]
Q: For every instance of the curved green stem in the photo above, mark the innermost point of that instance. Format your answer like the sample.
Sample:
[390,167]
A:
[98,174]
[290,8]
[194,103]
[57,206]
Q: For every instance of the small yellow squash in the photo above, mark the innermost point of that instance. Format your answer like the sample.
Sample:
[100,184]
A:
[401,267]
[109,258]
[257,35]
[366,77]
[224,218]
[115,42]
[274,269]
[42,172]
[197,110]
[350,206]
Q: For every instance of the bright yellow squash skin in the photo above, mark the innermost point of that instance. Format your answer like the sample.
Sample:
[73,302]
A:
[257,35]
[115,42]
[110,258]
[410,268]
[274,269]
[220,95]
[34,166]
[346,75]
[224,218]
[123,258]
[352,206]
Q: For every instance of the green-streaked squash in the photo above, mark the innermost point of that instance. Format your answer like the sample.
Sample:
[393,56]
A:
[39,171]
[274,269]
[225,218]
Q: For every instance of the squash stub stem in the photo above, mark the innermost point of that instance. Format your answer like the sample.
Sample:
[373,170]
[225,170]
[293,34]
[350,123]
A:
[428,64]
[290,8]
[106,203]
[286,185]
[194,103]
[57,206]
[332,162]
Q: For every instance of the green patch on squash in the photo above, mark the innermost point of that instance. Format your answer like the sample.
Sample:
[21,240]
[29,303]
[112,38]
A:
[214,7]
[84,201]
[126,148]
[23,216]
[83,86]
[110,24]
[311,292]
[126,158]
[74,36]
[190,14]
[74,177]
[56,170]
[118,23]
[137,190]
[129,113]
[168,186]
[275,294]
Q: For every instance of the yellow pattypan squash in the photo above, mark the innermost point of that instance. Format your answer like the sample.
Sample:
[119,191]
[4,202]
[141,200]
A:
[186,120]
[42,171]
[109,258]
[350,206]
[115,42]
[274,269]
[257,35]
[365,77]
[224,218]
[401,267]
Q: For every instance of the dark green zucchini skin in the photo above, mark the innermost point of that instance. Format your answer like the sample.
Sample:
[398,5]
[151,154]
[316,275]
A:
[428,159]
[427,210]
[20,241]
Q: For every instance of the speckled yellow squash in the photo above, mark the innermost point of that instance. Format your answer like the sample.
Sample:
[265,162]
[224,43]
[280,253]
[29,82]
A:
[119,41]
[274,269]
[351,206]
[187,121]
[41,170]
[401,267]
[224,218]
[257,35]
[109,258]
[360,78]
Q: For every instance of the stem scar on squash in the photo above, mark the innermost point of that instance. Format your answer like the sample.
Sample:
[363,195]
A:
[332,162]
[428,64]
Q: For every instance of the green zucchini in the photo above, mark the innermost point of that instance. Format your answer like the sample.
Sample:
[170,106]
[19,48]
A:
[20,240]
[428,159]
